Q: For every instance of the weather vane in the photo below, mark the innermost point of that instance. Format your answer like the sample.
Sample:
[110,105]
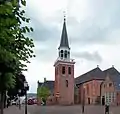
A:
[64,15]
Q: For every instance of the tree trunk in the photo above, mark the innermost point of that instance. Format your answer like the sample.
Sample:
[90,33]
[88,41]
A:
[2,103]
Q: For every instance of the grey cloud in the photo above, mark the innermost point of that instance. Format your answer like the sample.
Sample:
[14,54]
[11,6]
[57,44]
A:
[43,32]
[89,56]
[95,29]
[92,30]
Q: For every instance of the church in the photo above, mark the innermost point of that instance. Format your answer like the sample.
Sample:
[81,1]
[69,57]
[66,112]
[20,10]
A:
[94,87]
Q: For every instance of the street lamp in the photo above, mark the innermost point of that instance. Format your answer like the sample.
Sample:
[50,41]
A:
[26,88]
[83,101]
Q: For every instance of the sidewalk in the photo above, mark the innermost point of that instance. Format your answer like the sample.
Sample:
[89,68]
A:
[14,110]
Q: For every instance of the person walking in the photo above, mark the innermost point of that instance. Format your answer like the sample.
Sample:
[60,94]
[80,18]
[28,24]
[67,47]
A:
[8,102]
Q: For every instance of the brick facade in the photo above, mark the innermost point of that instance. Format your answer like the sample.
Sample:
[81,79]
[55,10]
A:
[66,93]
[92,91]
[109,92]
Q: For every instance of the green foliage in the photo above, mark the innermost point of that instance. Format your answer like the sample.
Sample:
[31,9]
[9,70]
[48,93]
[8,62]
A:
[43,92]
[15,47]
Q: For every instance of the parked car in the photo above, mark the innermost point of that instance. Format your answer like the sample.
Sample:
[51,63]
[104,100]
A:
[30,101]
[14,101]
[35,100]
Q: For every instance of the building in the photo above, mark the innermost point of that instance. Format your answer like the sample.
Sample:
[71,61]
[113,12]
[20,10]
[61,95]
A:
[89,85]
[50,85]
[87,88]
[99,87]
[110,87]
[64,72]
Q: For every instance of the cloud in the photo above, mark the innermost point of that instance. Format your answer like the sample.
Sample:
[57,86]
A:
[95,56]
[93,29]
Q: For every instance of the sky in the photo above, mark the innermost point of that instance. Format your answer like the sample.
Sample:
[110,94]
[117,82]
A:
[93,28]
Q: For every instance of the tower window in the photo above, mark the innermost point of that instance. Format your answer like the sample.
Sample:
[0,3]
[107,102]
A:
[66,83]
[110,84]
[61,53]
[69,70]
[63,70]
[65,54]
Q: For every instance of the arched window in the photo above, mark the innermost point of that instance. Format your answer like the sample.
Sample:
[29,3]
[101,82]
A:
[63,70]
[65,54]
[69,70]
[61,53]
[66,83]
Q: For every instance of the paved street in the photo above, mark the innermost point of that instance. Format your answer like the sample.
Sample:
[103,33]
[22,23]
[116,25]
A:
[34,109]
[70,110]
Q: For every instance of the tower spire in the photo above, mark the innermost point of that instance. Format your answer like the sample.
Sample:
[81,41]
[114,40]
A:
[64,37]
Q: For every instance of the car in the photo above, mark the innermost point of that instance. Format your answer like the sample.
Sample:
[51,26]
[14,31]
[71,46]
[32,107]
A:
[30,101]
[35,100]
[13,102]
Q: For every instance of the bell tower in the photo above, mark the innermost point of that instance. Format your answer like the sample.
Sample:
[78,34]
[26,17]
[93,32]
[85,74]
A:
[64,71]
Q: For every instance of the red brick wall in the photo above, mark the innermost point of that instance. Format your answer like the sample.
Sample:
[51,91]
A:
[66,93]
[92,91]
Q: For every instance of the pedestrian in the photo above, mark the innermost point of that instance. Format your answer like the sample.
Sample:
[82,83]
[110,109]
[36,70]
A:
[106,109]
[8,102]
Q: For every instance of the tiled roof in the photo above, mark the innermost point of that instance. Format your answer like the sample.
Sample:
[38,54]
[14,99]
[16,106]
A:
[96,73]
[49,84]
[114,76]
[111,71]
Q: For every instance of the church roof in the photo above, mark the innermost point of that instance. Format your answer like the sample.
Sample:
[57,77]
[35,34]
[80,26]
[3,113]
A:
[111,71]
[64,37]
[96,73]
[48,84]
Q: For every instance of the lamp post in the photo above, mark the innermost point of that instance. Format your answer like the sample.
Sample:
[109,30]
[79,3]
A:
[19,92]
[83,101]
[26,88]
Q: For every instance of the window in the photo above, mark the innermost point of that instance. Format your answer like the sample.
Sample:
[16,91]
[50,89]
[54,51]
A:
[66,83]
[63,70]
[69,70]
[65,54]
[110,84]
[61,53]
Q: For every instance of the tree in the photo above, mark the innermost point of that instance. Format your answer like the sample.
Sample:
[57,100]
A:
[15,46]
[20,78]
[43,92]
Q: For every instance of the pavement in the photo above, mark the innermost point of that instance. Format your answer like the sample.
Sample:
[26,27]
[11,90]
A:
[14,110]
[76,109]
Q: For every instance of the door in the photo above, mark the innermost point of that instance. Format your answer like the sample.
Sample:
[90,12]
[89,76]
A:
[88,100]
[103,100]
